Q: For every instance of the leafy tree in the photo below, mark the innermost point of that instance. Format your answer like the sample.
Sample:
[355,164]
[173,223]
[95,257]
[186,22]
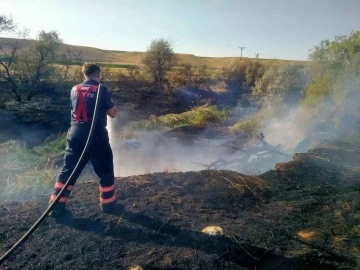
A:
[333,92]
[35,64]
[335,67]
[6,24]
[159,59]
[27,67]
[10,50]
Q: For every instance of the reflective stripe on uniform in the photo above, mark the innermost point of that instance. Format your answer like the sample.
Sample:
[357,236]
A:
[59,185]
[61,200]
[106,201]
[107,189]
[81,106]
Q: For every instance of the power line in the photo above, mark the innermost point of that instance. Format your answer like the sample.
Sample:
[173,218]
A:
[242,48]
[257,55]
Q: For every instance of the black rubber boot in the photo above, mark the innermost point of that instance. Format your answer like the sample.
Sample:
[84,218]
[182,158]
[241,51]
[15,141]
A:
[58,210]
[108,208]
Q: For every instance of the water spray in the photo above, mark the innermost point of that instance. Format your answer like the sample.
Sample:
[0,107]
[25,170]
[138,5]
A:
[111,128]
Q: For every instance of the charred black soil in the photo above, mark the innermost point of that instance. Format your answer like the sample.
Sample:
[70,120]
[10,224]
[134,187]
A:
[303,215]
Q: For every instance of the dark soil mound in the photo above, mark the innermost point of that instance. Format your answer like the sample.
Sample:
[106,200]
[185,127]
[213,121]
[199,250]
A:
[303,215]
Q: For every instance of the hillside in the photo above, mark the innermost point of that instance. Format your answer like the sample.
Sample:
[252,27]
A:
[134,58]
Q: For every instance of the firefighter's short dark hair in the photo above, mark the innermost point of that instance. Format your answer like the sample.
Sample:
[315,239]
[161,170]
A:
[90,69]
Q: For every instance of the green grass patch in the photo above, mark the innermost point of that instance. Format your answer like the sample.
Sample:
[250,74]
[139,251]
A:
[112,51]
[52,146]
[4,58]
[198,117]
[24,171]
[250,126]
[111,65]
[108,65]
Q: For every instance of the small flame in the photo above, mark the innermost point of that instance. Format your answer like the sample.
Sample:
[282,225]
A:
[307,234]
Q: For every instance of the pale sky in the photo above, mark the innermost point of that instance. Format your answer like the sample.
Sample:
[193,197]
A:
[284,29]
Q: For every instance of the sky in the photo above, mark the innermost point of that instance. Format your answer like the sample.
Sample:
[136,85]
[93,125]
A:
[278,29]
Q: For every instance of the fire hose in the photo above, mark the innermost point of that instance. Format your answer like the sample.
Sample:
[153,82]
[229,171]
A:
[52,205]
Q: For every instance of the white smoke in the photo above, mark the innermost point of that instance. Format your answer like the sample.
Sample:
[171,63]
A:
[152,152]
[285,129]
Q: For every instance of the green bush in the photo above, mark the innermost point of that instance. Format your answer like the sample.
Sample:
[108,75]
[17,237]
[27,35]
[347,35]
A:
[254,71]
[187,75]
[281,85]
[336,70]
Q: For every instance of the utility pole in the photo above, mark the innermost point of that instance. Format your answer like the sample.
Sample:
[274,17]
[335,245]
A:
[257,55]
[242,48]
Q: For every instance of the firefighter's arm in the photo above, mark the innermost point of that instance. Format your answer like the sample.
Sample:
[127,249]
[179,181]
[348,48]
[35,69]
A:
[112,112]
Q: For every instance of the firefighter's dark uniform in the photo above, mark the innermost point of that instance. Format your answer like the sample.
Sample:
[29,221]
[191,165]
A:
[83,98]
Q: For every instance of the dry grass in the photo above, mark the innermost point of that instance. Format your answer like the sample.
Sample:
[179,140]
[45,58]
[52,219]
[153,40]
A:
[134,58]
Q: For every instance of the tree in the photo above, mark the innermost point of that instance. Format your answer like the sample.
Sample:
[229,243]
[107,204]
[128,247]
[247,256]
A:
[27,67]
[35,64]
[335,68]
[333,92]
[10,50]
[6,24]
[159,59]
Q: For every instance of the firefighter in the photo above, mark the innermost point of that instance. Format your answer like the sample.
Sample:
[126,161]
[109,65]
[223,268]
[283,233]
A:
[83,98]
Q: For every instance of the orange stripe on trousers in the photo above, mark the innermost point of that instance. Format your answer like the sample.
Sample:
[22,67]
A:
[107,189]
[106,201]
[61,185]
[62,199]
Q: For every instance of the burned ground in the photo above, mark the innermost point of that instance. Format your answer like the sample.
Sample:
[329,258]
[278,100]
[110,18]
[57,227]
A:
[305,214]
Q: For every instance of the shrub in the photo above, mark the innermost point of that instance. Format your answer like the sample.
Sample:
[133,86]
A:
[336,69]
[234,75]
[187,75]
[120,79]
[281,85]
[254,71]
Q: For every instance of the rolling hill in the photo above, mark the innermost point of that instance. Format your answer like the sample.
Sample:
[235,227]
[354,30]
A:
[91,54]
